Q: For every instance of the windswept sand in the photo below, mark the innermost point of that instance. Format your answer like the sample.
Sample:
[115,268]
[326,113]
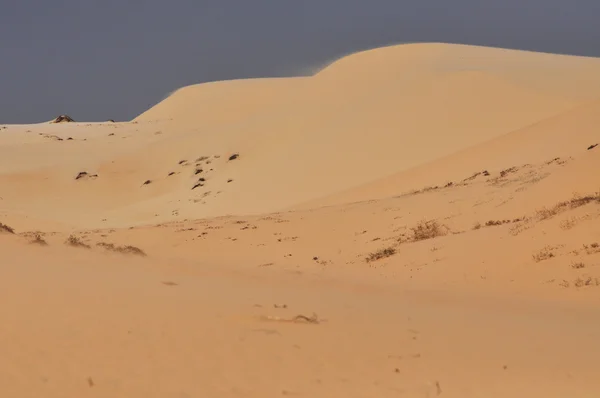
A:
[418,220]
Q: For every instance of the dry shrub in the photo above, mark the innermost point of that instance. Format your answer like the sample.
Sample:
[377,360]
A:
[428,230]
[74,241]
[577,201]
[579,265]
[589,281]
[381,253]
[592,248]
[477,226]
[38,240]
[6,228]
[544,254]
[122,249]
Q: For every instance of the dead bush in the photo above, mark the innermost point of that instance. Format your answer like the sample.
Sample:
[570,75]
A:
[427,230]
[74,241]
[381,253]
[122,249]
[592,248]
[544,254]
[6,228]
[38,240]
[577,201]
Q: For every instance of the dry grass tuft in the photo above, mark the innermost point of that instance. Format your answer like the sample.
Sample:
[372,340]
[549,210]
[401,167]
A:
[38,240]
[577,201]
[579,265]
[122,249]
[74,241]
[580,282]
[6,228]
[592,248]
[544,254]
[428,230]
[381,253]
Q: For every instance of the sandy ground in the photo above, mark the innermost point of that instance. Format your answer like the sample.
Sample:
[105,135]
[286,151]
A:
[419,220]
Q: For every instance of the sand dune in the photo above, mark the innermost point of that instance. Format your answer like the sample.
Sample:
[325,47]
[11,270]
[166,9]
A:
[435,206]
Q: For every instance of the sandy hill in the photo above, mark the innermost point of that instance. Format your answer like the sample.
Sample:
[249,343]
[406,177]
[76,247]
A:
[363,118]
[419,220]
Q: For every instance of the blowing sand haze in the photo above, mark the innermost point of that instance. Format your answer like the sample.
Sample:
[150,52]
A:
[419,220]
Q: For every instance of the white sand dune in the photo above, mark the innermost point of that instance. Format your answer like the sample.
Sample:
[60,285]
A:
[438,205]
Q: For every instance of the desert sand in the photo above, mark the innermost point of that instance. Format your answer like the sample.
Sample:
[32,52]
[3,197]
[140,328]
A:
[419,220]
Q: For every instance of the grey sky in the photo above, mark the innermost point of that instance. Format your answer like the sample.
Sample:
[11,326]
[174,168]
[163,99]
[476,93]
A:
[101,59]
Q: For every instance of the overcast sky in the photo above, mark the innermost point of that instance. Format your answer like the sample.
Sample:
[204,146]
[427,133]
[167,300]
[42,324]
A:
[112,59]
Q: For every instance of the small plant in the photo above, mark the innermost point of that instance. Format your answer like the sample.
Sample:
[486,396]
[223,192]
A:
[477,226]
[577,201]
[38,240]
[74,241]
[122,249]
[6,228]
[427,230]
[544,254]
[381,253]
[579,265]
[592,248]
[580,282]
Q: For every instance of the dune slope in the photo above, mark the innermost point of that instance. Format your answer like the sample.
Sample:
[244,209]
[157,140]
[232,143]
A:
[419,220]
[365,117]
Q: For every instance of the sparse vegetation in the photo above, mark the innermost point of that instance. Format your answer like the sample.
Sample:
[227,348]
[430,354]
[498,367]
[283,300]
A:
[592,248]
[6,228]
[577,201]
[122,249]
[564,283]
[504,173]
[381,253]
[544,254]
[578,265]
[38,240]
[428,230]
[589,281]
[147,182]
[477,226]
[234,156]
[74,241]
